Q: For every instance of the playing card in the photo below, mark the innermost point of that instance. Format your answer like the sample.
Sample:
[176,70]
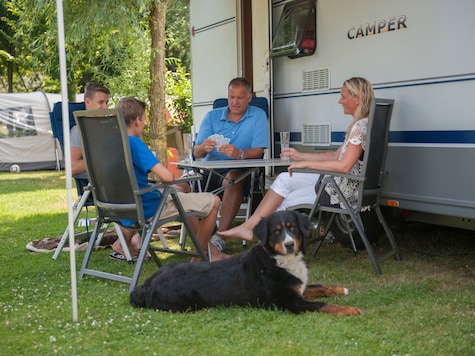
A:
[220,139]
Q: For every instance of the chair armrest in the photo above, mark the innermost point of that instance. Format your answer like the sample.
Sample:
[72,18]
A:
[185,179]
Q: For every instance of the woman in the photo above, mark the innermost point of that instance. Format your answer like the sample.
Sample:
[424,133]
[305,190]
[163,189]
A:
[290,189]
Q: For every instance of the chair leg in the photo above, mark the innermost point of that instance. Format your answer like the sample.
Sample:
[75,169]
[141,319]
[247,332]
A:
[394,247]
[90,248]
[359,226]
[182,237]
[352,239]
[65,236]
[123,243]
[321,240]
[162,237]
[248,209]
[146,239]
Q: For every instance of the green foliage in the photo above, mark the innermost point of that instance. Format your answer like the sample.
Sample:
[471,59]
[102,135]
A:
[178,91]
[28,44]
[107,41]
[421,306]
[178,35]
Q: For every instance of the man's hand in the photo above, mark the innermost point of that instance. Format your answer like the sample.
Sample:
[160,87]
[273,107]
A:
[208,145]
[230,150]
[204,148]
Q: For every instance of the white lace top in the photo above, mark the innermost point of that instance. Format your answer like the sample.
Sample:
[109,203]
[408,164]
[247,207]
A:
[349,187]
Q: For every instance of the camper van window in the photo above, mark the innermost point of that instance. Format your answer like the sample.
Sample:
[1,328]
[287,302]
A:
[295,35]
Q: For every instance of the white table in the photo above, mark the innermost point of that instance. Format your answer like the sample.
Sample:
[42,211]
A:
[252,165]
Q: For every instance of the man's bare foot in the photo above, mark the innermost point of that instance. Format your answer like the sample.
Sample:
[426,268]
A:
[238,232]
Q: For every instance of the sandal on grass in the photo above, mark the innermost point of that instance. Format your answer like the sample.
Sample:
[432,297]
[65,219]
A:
[120,257]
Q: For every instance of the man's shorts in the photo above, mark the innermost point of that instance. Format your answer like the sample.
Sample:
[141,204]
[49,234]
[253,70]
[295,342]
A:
[202,202]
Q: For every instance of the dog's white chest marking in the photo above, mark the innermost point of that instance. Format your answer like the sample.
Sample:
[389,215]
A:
[295,265]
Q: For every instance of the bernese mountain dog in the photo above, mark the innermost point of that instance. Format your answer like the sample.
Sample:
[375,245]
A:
[271,274]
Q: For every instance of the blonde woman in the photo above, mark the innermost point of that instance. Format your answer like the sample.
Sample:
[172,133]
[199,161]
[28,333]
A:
[290,189]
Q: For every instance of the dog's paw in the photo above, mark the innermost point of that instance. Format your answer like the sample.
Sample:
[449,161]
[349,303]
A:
[340,310]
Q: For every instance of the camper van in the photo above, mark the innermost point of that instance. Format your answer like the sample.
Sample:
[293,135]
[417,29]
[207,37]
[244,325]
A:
[297,54]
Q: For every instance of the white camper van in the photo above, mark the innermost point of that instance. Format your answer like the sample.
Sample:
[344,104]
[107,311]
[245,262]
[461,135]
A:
[297,53]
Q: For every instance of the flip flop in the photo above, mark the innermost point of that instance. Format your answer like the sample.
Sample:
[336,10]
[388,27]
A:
[120,257]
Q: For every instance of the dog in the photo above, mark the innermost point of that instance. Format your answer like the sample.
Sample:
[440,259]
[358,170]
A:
[271,274]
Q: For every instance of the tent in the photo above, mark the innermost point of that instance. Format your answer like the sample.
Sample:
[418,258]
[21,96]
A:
[26,140]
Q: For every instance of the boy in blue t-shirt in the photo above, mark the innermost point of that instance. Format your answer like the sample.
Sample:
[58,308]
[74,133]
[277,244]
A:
[145,162]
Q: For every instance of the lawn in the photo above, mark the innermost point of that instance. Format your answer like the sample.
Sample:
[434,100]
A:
[424,305]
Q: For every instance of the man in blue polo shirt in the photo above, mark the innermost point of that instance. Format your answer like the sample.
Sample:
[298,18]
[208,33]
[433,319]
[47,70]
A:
[247,130]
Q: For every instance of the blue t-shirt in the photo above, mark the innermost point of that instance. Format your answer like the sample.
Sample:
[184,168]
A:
[249,132]
[143,160]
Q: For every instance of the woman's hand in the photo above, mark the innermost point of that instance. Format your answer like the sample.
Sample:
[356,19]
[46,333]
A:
[297,165]
[291,153]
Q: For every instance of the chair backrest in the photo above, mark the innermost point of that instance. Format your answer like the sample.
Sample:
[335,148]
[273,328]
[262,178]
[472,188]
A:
[56,119]
[108,159]
[376,146]
[257,101]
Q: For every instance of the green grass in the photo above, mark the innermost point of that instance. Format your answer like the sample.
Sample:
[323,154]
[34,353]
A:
[424,305]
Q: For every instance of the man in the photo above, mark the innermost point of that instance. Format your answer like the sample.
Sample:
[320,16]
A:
[247,129]
[145,162]
[96,97]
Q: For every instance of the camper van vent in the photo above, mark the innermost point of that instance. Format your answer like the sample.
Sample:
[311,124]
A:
[316,135]
[318,79]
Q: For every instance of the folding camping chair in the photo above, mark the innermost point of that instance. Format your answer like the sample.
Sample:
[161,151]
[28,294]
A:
[369,190]
[116,194]
[84,199]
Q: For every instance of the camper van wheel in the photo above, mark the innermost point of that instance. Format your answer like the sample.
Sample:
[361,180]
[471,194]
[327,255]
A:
[371,224]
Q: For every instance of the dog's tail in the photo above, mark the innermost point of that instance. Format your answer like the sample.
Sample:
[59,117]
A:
[138,297]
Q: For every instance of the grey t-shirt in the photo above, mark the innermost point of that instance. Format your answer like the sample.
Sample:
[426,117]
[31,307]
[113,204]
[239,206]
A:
[76,142]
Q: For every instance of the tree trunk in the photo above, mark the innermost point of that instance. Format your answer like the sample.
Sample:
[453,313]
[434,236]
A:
[157,117]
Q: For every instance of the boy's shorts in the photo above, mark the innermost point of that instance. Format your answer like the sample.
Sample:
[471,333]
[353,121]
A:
[202,202]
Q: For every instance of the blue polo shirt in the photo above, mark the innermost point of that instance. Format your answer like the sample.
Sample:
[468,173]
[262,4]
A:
[249,132]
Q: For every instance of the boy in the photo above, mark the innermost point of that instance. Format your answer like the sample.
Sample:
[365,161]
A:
[146,162]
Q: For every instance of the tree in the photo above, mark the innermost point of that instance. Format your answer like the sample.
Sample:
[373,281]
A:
[158,124]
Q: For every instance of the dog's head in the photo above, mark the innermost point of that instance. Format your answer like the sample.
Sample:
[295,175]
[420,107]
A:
[283,232]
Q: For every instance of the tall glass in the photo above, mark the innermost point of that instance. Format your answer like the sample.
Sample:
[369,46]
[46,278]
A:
[188,147]
[284,144]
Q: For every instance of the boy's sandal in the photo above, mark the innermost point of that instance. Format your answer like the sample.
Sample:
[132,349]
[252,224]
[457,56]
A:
[120,257]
